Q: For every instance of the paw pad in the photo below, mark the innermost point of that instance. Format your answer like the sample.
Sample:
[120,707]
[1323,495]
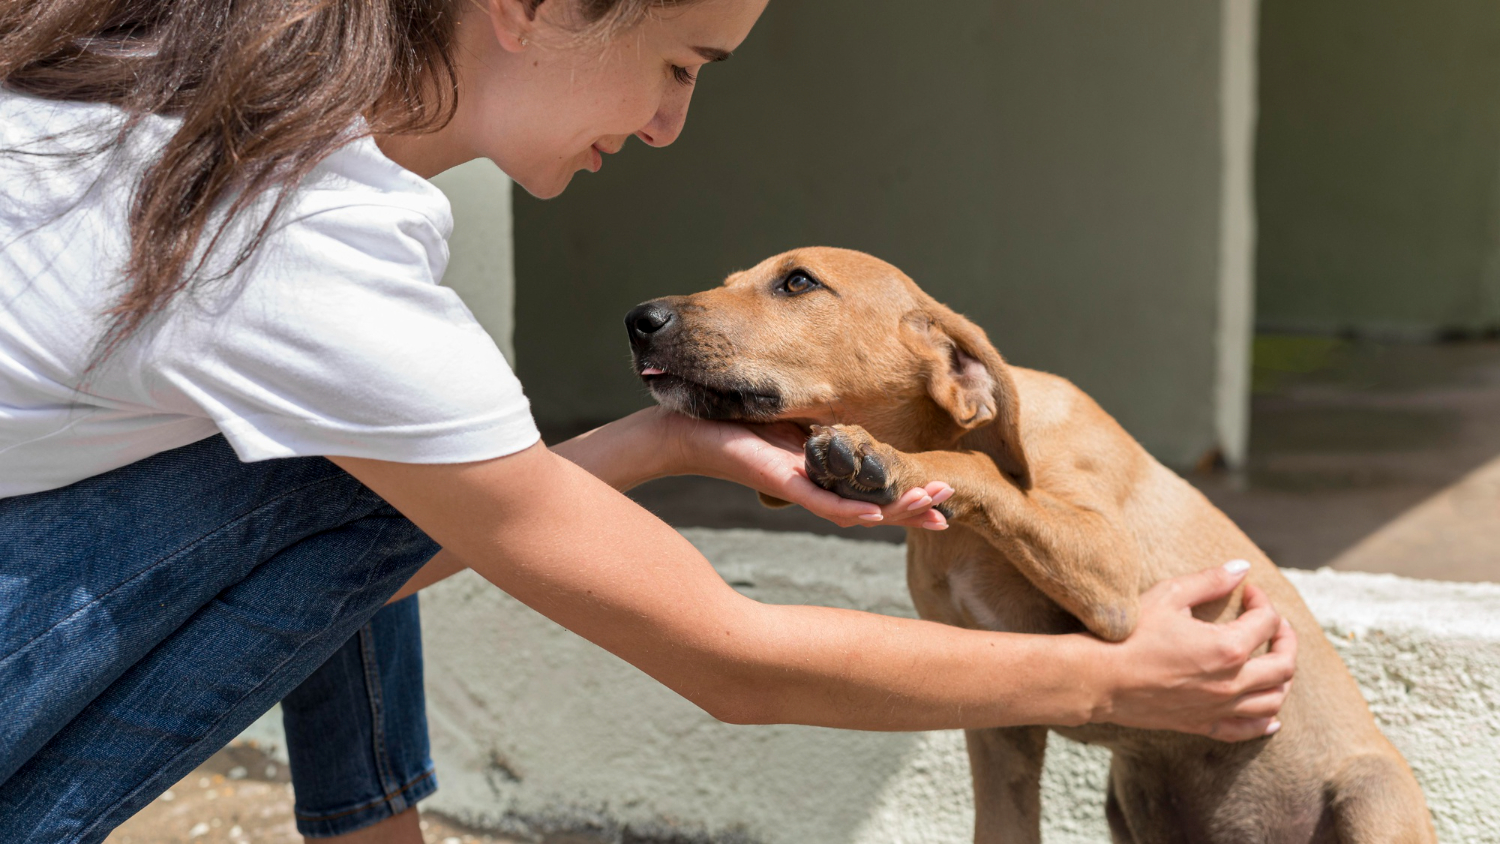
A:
[845,460]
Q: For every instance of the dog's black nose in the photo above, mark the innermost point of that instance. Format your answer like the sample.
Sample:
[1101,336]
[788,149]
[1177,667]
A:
[646,320]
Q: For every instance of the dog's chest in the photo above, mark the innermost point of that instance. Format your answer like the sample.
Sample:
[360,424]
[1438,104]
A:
[958,578]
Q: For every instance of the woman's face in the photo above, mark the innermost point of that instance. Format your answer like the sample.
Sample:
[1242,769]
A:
[551,105]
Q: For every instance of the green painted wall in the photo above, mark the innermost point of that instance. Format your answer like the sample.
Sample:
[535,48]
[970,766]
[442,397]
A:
[1055,170]
[1378,168]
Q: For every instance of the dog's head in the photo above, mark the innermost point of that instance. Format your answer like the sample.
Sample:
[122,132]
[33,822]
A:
[830,335]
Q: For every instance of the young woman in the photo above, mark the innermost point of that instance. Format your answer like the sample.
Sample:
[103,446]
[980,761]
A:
[238,415]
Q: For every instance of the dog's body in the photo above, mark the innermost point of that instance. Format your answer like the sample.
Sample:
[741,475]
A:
[1060,520]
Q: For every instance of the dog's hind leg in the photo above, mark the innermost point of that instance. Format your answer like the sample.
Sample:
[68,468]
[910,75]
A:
[1376,800]
[1119,828]
[1007,767]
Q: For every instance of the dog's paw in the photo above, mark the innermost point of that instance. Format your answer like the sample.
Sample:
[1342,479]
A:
[846,460]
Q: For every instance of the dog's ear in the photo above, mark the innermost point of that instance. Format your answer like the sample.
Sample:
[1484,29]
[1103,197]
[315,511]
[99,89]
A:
[971,382]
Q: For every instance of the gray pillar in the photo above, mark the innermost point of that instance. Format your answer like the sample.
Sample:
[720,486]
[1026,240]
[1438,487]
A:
[1237,81]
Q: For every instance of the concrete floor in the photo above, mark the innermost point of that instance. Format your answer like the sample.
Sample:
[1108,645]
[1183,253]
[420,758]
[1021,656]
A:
[1363,456]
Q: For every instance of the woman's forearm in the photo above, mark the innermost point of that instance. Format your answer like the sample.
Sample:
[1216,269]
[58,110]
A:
[854,670]
[624,453]
[597,564]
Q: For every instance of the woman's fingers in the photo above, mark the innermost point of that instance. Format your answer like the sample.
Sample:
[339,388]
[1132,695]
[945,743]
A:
[916,499]
[1262,704]
[1242,729]
[770,459]
[914,509]
[1245,635]
[1273,669]
[1258,625]
[844,512]
[1190,590]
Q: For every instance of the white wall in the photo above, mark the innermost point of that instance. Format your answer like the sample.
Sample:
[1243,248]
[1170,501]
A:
[482,265]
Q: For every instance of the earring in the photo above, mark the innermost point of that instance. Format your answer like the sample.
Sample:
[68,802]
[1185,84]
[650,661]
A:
[524,41]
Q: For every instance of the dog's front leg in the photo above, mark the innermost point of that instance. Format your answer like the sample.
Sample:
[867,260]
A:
[1074,552]
[1007,767]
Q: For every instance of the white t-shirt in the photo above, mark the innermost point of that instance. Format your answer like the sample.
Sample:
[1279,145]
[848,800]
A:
[334,339]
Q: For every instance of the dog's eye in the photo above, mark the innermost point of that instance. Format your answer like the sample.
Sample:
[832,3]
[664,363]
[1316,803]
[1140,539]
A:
[796,283]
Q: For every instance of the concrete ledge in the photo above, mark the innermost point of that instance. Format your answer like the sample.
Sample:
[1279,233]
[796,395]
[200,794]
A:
[536,732]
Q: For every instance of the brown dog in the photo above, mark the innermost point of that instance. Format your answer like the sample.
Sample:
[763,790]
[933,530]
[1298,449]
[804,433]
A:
[1060,521]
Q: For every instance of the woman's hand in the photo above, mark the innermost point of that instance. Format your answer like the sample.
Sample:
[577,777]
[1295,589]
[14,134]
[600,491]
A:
[1178,673]
[769,459]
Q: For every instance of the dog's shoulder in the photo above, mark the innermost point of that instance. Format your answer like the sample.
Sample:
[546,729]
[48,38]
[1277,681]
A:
[1049,402]
[1069,436]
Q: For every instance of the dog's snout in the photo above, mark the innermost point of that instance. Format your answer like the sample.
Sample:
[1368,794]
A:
[646,320]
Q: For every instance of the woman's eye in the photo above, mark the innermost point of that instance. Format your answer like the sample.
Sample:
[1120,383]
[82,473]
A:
[797,282]
[683,75]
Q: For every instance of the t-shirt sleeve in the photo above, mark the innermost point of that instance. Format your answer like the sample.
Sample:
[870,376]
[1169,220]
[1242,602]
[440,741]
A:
[337,339]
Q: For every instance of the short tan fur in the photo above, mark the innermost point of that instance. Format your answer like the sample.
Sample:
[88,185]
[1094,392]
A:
[1060,520]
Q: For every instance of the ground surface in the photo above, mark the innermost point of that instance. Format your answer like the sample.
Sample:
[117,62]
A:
[1363,457]
[241,796]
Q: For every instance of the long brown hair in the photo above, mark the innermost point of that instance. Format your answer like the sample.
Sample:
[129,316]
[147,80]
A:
[265,90]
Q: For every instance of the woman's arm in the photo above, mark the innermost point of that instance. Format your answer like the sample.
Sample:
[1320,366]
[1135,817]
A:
[656,443]
[563,542]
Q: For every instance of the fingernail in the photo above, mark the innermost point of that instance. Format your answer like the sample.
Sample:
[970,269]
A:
[943,496]
[1237,566]
[1272,728]
[872,517]
[924,501]
[935,527]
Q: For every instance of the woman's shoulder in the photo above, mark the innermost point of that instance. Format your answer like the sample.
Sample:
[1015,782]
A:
[53,139]
[41,131]
[26,119]
[358,177]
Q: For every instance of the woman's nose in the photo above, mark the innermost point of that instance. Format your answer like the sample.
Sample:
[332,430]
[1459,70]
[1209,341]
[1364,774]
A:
[666,125]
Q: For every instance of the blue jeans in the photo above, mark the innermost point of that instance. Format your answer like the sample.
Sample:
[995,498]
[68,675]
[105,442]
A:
[150,614]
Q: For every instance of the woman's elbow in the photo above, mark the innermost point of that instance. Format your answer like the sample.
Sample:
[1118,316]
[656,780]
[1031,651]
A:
[739,702]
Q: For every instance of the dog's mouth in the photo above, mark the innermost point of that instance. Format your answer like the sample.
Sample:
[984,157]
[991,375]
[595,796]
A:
[711,397]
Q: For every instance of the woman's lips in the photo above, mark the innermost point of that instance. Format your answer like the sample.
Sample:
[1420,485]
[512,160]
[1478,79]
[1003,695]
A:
[596,159]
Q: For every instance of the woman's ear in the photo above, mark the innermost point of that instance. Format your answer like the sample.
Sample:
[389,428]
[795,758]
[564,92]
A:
[512,21]
[971,382]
